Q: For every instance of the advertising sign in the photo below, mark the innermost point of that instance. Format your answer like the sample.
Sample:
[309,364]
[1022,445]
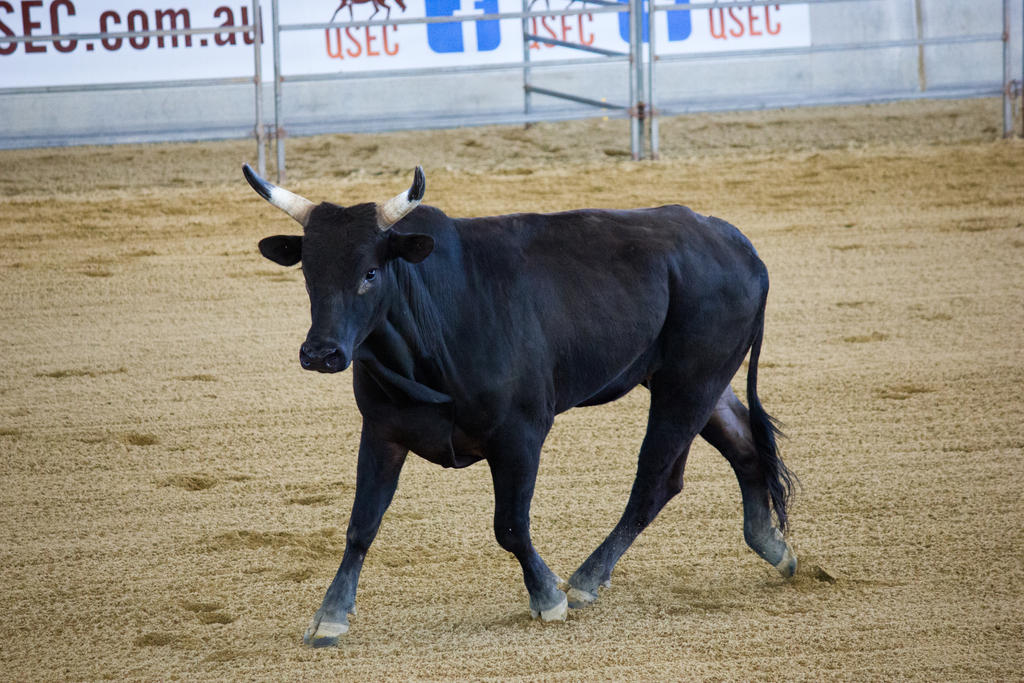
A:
[116,60]
[346,48]
[491,41]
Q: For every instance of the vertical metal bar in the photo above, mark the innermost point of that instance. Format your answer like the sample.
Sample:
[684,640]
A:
[527,95]
[1007,74]
[922,75]
[634,59]
[278,128]
[651,56]
[261,152]
[641,105]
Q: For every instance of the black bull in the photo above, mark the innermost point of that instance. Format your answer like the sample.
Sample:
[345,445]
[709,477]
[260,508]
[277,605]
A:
[468,335]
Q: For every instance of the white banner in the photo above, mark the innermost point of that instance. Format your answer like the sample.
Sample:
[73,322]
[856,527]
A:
[348,48]
[117,60]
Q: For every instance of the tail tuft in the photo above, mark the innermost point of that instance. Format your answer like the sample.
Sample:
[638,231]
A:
[780,481]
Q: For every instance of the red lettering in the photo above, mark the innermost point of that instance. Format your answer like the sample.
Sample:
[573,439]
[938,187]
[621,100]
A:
[352,39]
[172,16]
[562,30]
[585,38]
[28,24]
[11,47]
[248,37]
[735,32]
[753,24]
[551,31]
[60,46]
[138,42]
[141,20]
[224,38]
[355,47]
[333,54]
[369,40]
[753,18]
[388,51]
[106,18]
[768,21]
[720,32]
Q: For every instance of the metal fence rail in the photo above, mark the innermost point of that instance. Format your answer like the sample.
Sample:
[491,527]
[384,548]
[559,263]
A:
[643,63]
[641,107]
[256,79]
[632,59]
[1008,88]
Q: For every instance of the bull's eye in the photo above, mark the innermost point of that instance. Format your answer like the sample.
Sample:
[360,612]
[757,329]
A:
[367,282]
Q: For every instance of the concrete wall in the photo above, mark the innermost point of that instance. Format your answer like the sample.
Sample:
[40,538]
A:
[197,113]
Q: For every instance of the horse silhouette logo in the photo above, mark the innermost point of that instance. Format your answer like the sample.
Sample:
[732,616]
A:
[377,6]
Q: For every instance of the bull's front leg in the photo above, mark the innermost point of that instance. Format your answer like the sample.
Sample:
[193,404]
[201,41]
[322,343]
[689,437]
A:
[513,464]
[377,470]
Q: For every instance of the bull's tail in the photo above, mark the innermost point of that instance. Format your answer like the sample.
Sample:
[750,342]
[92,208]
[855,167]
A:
[778,479]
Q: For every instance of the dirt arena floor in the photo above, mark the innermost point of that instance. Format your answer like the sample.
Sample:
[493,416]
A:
[175,489]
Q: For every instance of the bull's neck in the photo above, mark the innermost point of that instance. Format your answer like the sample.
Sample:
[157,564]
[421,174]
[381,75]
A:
[411,339]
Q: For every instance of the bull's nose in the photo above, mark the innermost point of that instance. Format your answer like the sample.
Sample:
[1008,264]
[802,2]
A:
[332,362]
[322,359]
[306,358]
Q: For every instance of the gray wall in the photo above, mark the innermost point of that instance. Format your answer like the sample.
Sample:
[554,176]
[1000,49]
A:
[197,113]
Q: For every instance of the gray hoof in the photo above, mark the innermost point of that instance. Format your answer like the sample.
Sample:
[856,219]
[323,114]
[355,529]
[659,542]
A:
[579,598]
[787,565]
[324,633]
[557,613]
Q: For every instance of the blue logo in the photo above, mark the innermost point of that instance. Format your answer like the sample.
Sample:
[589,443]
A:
[679,27]
[449,37]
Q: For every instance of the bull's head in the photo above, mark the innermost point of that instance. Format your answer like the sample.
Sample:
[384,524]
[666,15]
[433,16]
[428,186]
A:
[346,256]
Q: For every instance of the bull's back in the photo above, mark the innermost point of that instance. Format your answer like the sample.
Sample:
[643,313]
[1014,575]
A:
[589,292]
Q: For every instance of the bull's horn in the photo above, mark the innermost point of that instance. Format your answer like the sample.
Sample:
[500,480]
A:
[395,209]
[292,204]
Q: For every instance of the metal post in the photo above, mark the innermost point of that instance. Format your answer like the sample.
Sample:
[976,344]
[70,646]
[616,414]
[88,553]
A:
[278,128]
[261,152]
[527,95]
[651,56]
[1007,74]
[922,75]
[635,58]
[641,104]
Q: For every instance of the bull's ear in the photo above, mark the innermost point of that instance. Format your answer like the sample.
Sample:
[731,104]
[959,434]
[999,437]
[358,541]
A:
[412,247]
[283,249]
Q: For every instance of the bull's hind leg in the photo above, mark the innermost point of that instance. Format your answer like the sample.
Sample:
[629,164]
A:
[671,428]
[729,431]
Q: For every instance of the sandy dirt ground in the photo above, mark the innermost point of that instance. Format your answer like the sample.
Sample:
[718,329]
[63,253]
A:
[175,489]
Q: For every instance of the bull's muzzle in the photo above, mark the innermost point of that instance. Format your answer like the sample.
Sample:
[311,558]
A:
[326,358]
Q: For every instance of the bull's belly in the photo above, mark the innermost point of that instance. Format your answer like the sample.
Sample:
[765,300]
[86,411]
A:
[429,432]
[453,456]
[592,393]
